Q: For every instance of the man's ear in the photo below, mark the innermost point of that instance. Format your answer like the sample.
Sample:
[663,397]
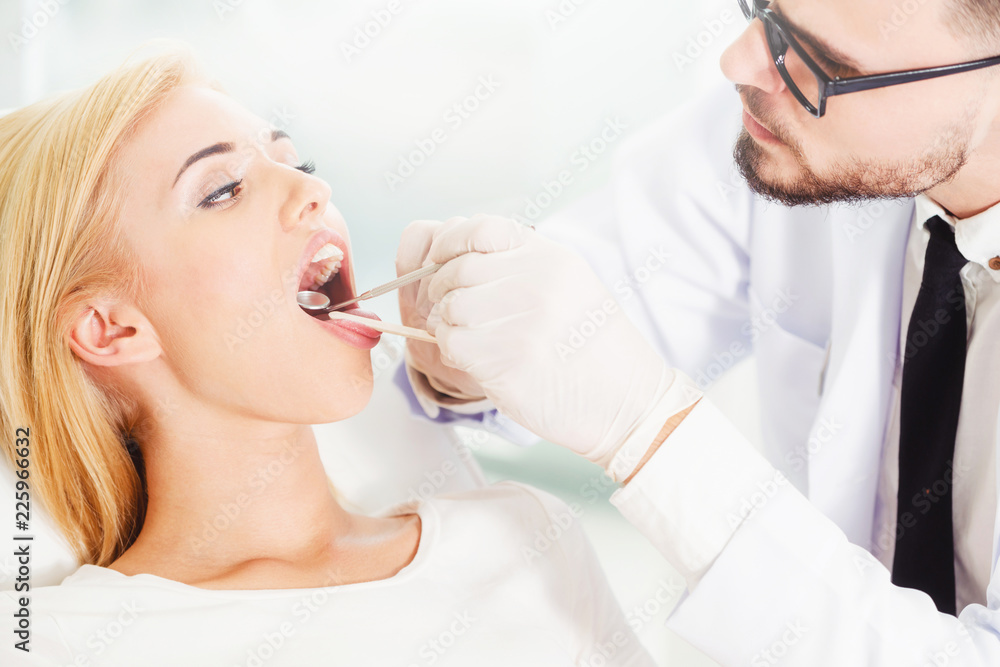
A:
[108,333]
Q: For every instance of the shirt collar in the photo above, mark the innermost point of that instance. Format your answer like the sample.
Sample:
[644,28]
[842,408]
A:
[977,237]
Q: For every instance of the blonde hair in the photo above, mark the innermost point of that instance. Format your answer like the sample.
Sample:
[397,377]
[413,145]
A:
[62,246]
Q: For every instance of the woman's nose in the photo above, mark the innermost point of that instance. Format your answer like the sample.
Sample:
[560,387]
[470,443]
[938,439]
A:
[748,61]
[307,198]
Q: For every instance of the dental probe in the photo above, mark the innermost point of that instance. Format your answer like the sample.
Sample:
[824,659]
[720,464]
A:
[318,303]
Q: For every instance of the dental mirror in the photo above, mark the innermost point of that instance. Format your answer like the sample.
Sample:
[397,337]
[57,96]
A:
[312,300]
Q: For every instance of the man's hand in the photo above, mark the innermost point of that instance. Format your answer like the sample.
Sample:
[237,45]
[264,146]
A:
[529,321]
[414,307]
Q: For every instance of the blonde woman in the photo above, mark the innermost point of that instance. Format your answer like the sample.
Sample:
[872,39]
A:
[142,218]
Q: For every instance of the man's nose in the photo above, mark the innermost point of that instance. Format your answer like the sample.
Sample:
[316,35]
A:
[748,61]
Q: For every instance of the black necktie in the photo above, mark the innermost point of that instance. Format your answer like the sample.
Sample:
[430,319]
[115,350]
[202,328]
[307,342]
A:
[933,369]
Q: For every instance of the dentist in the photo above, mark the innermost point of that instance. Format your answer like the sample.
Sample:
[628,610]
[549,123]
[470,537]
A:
[866,531]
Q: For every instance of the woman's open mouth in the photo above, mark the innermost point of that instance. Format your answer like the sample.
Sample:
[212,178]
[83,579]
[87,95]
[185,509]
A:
[326,268]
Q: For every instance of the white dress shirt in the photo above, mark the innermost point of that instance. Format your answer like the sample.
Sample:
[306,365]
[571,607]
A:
[974,493]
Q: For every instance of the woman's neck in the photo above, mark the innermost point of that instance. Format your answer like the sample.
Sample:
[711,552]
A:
[220,502]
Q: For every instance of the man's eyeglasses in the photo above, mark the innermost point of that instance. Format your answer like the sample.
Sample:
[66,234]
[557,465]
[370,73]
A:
[810,85]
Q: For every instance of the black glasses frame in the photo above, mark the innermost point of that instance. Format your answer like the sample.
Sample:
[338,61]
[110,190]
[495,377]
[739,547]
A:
[779,38]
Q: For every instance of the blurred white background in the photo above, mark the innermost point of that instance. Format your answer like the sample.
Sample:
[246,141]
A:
[357,86]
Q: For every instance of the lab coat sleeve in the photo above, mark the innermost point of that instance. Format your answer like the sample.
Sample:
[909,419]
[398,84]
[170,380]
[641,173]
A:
[770,578]
[669,235]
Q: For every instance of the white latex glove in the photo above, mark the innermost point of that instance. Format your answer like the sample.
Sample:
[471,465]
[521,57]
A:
[530,321]
[435,384]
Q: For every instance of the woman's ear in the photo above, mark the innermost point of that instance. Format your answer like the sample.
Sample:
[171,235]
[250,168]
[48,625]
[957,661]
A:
[107,333]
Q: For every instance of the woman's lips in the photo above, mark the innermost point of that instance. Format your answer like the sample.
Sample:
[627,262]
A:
[758,131]
[339,288]
[354,334]
[356,310]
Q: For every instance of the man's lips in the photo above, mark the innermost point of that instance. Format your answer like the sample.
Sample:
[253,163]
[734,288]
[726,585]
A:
[758,131]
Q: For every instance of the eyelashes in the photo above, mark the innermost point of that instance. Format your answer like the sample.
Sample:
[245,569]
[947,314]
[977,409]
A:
[218,198]
[213,200]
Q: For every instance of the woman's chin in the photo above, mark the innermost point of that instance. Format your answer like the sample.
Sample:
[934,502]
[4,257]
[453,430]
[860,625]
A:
[345,402]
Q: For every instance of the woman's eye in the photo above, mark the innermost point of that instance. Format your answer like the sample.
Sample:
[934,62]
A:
[231,191]
[222,195]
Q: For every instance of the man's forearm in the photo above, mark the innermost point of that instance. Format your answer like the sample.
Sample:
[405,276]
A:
[664,433]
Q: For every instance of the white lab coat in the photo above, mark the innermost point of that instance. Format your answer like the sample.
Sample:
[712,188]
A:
[815,293]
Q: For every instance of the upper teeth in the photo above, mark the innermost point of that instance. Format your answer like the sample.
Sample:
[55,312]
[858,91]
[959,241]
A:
[330,257]
[327,251]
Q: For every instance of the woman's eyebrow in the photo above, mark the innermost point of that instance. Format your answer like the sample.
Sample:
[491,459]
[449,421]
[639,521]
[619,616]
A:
[221,147]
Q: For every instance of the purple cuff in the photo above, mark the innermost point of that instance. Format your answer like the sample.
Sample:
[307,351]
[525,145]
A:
[445,416]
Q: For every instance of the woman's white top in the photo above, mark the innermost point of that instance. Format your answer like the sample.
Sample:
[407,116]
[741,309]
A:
[503,575]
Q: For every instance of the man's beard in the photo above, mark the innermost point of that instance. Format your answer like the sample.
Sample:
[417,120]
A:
[853,179]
